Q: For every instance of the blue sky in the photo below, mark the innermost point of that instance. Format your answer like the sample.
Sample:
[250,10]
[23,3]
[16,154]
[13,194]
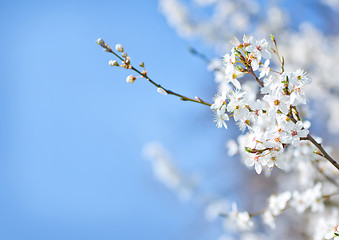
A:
[72,129]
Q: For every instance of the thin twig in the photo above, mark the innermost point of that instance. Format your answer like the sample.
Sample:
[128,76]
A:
[203,57]
[322,150]
[182,97]
[250,70]
[281,59]
[324,154]
[199,54]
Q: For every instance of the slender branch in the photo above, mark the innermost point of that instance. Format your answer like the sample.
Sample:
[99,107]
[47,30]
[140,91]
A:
[322,150]
[250,214]
[199,54]
[203,57]
[250,70]
[144,74]
[183,98]
[257,213]
[281,59]
[324,154]
[330,195]
[198,100]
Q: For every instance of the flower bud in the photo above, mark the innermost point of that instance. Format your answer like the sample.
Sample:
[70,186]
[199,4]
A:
[130,79]
[124,54]
[100,42]
[273,39]
[113,63]
[250,150]
[142,64]
[162,91]
[119,48]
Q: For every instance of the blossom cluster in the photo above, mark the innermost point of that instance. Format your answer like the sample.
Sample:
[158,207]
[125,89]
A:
[310,200]
[272,121]
[303,44]
[270,115]
[274,131]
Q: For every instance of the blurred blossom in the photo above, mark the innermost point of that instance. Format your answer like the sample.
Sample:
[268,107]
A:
[215,208]
[166,172]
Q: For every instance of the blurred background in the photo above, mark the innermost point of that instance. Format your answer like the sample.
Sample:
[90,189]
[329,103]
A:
[74,133]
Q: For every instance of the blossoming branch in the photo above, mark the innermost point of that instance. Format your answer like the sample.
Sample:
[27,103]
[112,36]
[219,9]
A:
[273,122]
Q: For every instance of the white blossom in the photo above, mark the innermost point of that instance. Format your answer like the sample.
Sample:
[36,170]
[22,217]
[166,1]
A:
[260,48]
[215,208]
[265,69]
[219,100]
[239,220]
[277,203]
[295,131]
[221,117]
[311,198]
[333,232]
[231,75]
[278,102]
[257,161]
[237,105]
[268,219]
[300,77]
[232,147]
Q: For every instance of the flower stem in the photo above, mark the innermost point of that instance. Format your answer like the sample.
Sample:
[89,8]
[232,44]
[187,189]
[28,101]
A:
[250,70]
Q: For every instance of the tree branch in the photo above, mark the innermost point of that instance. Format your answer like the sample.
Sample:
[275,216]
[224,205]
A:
[144,75]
